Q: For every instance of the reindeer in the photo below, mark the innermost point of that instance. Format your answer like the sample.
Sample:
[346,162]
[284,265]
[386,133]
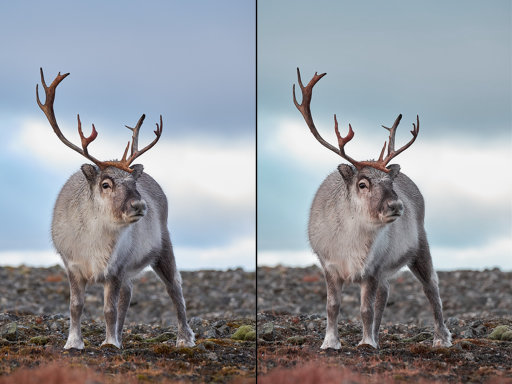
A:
[110,222]
[365,223]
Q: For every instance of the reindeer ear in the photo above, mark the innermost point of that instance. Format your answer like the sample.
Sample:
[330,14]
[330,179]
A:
[90,172]
[346,171]
[137,170]
[395,170]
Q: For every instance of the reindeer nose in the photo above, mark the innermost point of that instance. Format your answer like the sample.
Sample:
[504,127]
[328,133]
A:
[138,207]
[396,207]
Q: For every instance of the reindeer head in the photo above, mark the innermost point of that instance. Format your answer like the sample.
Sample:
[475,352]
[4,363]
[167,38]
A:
[113,183]
[369,183]
[115,192]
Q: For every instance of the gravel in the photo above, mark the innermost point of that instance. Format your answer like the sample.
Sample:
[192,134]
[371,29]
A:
[291,324]
[34,323]
[208,294]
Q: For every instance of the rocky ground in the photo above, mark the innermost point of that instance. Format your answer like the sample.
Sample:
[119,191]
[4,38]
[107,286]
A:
[290,321]
[291,324]
[34,324]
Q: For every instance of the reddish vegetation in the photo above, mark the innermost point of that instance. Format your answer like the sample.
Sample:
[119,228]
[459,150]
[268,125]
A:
[313,374]
[34,353]
[400,358]
[55,373]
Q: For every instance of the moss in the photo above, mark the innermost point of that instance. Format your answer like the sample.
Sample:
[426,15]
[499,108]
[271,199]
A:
[135,337]
[242,331]
[507,336]
[499,332]
[161,338]
[39,340]
[250,336]
[419,337]
[296,340]
[222,342]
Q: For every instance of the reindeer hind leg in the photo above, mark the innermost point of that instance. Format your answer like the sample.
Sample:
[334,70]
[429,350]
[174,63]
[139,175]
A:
[165,268]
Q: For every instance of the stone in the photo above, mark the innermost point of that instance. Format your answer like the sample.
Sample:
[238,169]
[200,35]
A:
[266,331]
[210,333]
[10,331]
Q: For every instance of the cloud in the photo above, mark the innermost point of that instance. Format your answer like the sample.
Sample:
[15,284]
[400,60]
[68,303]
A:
[496,253]
[44,258]
[239,253]
[466,185]
[218,170]
[301,258]
[209,182]
[474,170]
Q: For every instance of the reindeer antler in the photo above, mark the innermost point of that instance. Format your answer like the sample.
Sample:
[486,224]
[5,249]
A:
[381,163]
[124,163]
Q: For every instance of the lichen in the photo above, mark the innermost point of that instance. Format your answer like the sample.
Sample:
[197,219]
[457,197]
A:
[501,332]
[242,331]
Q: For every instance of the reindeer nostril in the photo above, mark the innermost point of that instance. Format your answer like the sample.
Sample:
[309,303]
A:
[396,207]
[139,206]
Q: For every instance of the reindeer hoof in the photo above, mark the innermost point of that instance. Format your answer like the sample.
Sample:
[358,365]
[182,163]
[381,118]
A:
[110,344]
[443,340]
[185,343]
[331,342]
[368,343]
[185,338]
[74,343]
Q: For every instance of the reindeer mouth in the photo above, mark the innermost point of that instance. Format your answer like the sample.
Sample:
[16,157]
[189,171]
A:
[133,218]
[392,217]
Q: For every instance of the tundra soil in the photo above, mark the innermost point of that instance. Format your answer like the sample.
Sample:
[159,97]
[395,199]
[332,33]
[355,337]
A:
[291,324]
[34,321]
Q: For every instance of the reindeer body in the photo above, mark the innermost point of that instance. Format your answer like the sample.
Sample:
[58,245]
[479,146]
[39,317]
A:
[356,244]
[108,236]
[92,245]
[110,222]
[366,222]
[350,244]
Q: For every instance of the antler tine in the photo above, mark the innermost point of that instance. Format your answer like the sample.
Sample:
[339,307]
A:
[344,140]
[305,108]
[135,136]
[158,133]
[414,132]
[392,133]
[125,162]
[86,140]
[47,108]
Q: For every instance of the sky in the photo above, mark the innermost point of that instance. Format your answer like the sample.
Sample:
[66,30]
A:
[192,62]
[446,61]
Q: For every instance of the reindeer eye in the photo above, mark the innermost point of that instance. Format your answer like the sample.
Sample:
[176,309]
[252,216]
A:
[105,185]
[362,185]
